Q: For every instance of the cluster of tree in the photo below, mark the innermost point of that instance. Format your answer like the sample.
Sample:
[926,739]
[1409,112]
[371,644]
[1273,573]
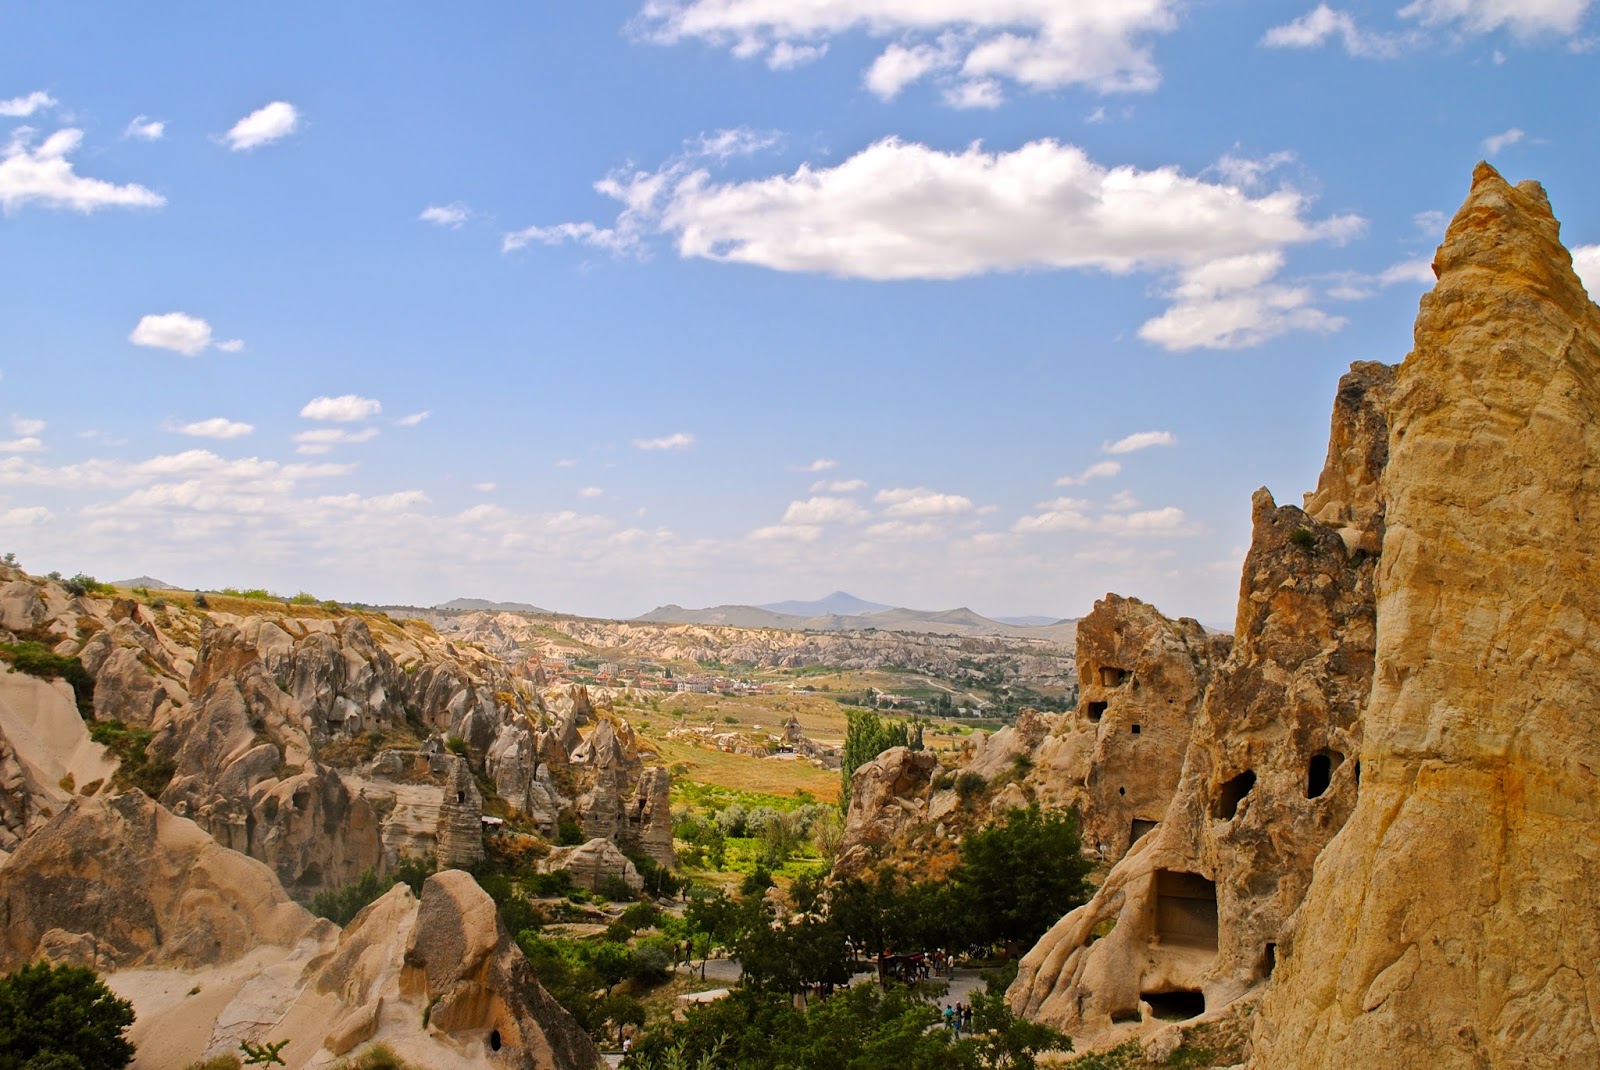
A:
[62,1018]
[859,1028]
[341,905]
[780,833]
[866,736]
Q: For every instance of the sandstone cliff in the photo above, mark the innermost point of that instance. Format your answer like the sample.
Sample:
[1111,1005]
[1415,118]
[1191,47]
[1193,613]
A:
[1452,923]
[1195,910]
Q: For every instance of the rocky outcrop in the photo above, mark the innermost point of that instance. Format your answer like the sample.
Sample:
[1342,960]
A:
[1453,922]
[122,882]
[46,755]
[591,863]
[888,795]
[649,817]
[1197,908]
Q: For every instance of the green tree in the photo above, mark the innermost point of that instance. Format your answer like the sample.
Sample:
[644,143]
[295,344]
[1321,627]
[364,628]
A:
[866,736]
[63,1018]
[1019,876]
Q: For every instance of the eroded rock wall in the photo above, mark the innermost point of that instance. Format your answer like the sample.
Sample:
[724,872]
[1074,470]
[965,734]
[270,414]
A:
[1197,907]
[1453,922]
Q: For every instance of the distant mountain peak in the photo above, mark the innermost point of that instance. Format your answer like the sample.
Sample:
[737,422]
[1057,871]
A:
[837,604]
[483,605]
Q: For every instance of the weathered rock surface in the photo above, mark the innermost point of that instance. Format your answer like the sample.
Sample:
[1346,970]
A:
[137,886]
[45,755]
[591,863]
[1197,907]
[888,795]
[1454,921]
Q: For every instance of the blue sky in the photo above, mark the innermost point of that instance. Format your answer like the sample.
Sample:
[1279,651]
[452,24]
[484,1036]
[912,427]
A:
[601,306]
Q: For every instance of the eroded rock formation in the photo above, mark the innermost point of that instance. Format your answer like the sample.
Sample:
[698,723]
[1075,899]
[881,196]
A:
[1453,922]
[1197,907]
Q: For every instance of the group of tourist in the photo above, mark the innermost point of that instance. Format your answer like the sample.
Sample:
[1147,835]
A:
[958,1018]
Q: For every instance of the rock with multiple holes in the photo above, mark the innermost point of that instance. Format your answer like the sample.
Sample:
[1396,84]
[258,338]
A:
[1455,921]
[1196,909]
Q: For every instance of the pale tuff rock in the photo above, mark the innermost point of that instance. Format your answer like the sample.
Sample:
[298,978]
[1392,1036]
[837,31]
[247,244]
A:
[649,817]
[1197,907]
[44,750]
[1454,922]
[591,863]
[888,796]
[140,887]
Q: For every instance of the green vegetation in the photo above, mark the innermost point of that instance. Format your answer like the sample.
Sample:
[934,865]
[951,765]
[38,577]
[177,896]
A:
[62,1018]
[138,768]
[859,1028]
[259,594]
[264,1054]
[36,659]
[866,736]
[376,1057]
[341,905]
[1303,538]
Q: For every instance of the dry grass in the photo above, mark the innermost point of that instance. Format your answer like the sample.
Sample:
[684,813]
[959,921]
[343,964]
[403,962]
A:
[744,773]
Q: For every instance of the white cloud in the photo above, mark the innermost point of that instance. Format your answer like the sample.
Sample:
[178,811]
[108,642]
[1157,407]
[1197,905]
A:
[838,486]
[446,215]
[26,444]
[786,55]
[1586,262]
[905,531]
[1497,143]
[1075,515]
[1168,521]
[974,93]
[145,129]
[1140,440]
[179,332]
[485,486]
[1355,286]
[412,419]
[346,408]
[920,501]
[795,532]
[898,66]
[24,106]
[216,427]
[821,464]
[1062,514]
[232,345]
[25,517]
[45,175]
[725,145]
[613,240]
[1039,44]
[323,439]
[824,510]
[1323,23]
[1408,271]
[1431,223]
[567,462]
[1524,18]
[681,440]
[1098,470]
[24,425]
[886,213]
[590,492]
[263,126]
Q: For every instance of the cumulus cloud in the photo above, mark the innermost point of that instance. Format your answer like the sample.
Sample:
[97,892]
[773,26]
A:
[1098,470]
[486,486]
[974,93]
[1323,23]
[24,106]
[824,510]
[886,213]
[680,440]
[920,501]
[446,215]
[838,486]
[44,175]
[179,332]
[216,427]
[821,464]
[1078,515]
[412,419]
[786,55]
[781,532]
[25,444]
[1586,262]
[143,128]
[1140,440]
[346,408]
[1103,45]
[263,126]
[590,492]
[25,517]
[322,439]
[1494,144]
[25,425]
[1521,17]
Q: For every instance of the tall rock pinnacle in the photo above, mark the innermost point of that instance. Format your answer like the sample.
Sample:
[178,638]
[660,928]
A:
[1455,920]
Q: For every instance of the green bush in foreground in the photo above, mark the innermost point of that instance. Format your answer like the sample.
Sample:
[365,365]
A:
[62,1018]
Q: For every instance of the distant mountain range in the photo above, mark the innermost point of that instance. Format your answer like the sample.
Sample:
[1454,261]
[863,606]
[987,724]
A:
[149,583]
[483,605]
[864,615]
